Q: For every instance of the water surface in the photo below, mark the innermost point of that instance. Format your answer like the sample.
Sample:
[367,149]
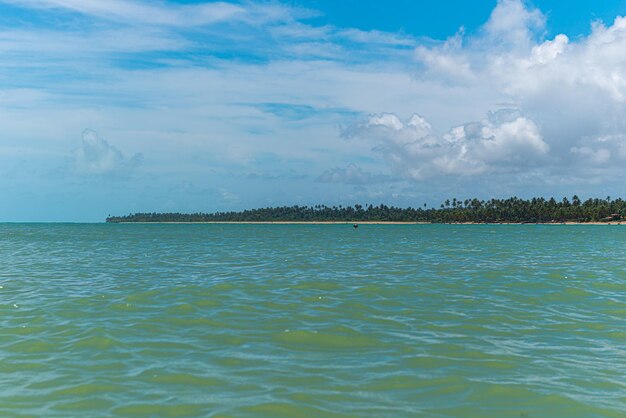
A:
[312,320]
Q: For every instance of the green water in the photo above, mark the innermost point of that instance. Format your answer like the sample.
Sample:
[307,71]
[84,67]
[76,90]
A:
[313,321]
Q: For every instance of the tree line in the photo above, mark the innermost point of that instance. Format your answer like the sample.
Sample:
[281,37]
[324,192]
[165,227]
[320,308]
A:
[514,210]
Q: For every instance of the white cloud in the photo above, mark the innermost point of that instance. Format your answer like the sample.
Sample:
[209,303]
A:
[571,95]
[594,156]
[549,50]
[373,37]
[96,157]
[446,61]
[513,25]
[505,141]
[153,13]
[37,47]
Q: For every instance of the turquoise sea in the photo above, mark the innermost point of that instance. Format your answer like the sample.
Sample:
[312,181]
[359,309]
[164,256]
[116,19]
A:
[312,320]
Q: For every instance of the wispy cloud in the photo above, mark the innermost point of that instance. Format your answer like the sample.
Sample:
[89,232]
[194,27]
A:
[140,12]
[259,30]
[352,174]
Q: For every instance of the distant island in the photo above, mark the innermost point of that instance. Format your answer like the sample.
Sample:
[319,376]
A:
[512,210]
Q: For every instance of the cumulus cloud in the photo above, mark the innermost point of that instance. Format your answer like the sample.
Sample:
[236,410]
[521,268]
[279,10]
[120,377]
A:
[352,174]
[96,157]
[569,100]
[505,141]
[513,24]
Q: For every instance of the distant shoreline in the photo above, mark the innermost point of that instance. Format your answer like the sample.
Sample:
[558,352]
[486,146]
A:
[285,222]
[368,223]
[511,211]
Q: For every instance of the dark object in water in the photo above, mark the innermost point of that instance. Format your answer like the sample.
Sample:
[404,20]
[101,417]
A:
[355,226]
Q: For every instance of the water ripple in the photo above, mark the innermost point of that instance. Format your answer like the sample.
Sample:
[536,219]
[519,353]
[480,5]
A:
[297,320]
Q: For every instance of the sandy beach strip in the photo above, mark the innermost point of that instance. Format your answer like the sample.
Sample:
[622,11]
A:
[288,223]
[370,223]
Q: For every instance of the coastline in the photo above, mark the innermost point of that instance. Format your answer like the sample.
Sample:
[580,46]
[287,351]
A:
[286,223]
[510,211]
[614,223]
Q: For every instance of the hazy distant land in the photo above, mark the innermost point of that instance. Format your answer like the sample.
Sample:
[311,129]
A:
[512,210]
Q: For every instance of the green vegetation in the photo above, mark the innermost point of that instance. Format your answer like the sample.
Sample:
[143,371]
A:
[517,210]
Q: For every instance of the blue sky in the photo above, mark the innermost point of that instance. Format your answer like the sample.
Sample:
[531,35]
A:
[118,106]
[439,19]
